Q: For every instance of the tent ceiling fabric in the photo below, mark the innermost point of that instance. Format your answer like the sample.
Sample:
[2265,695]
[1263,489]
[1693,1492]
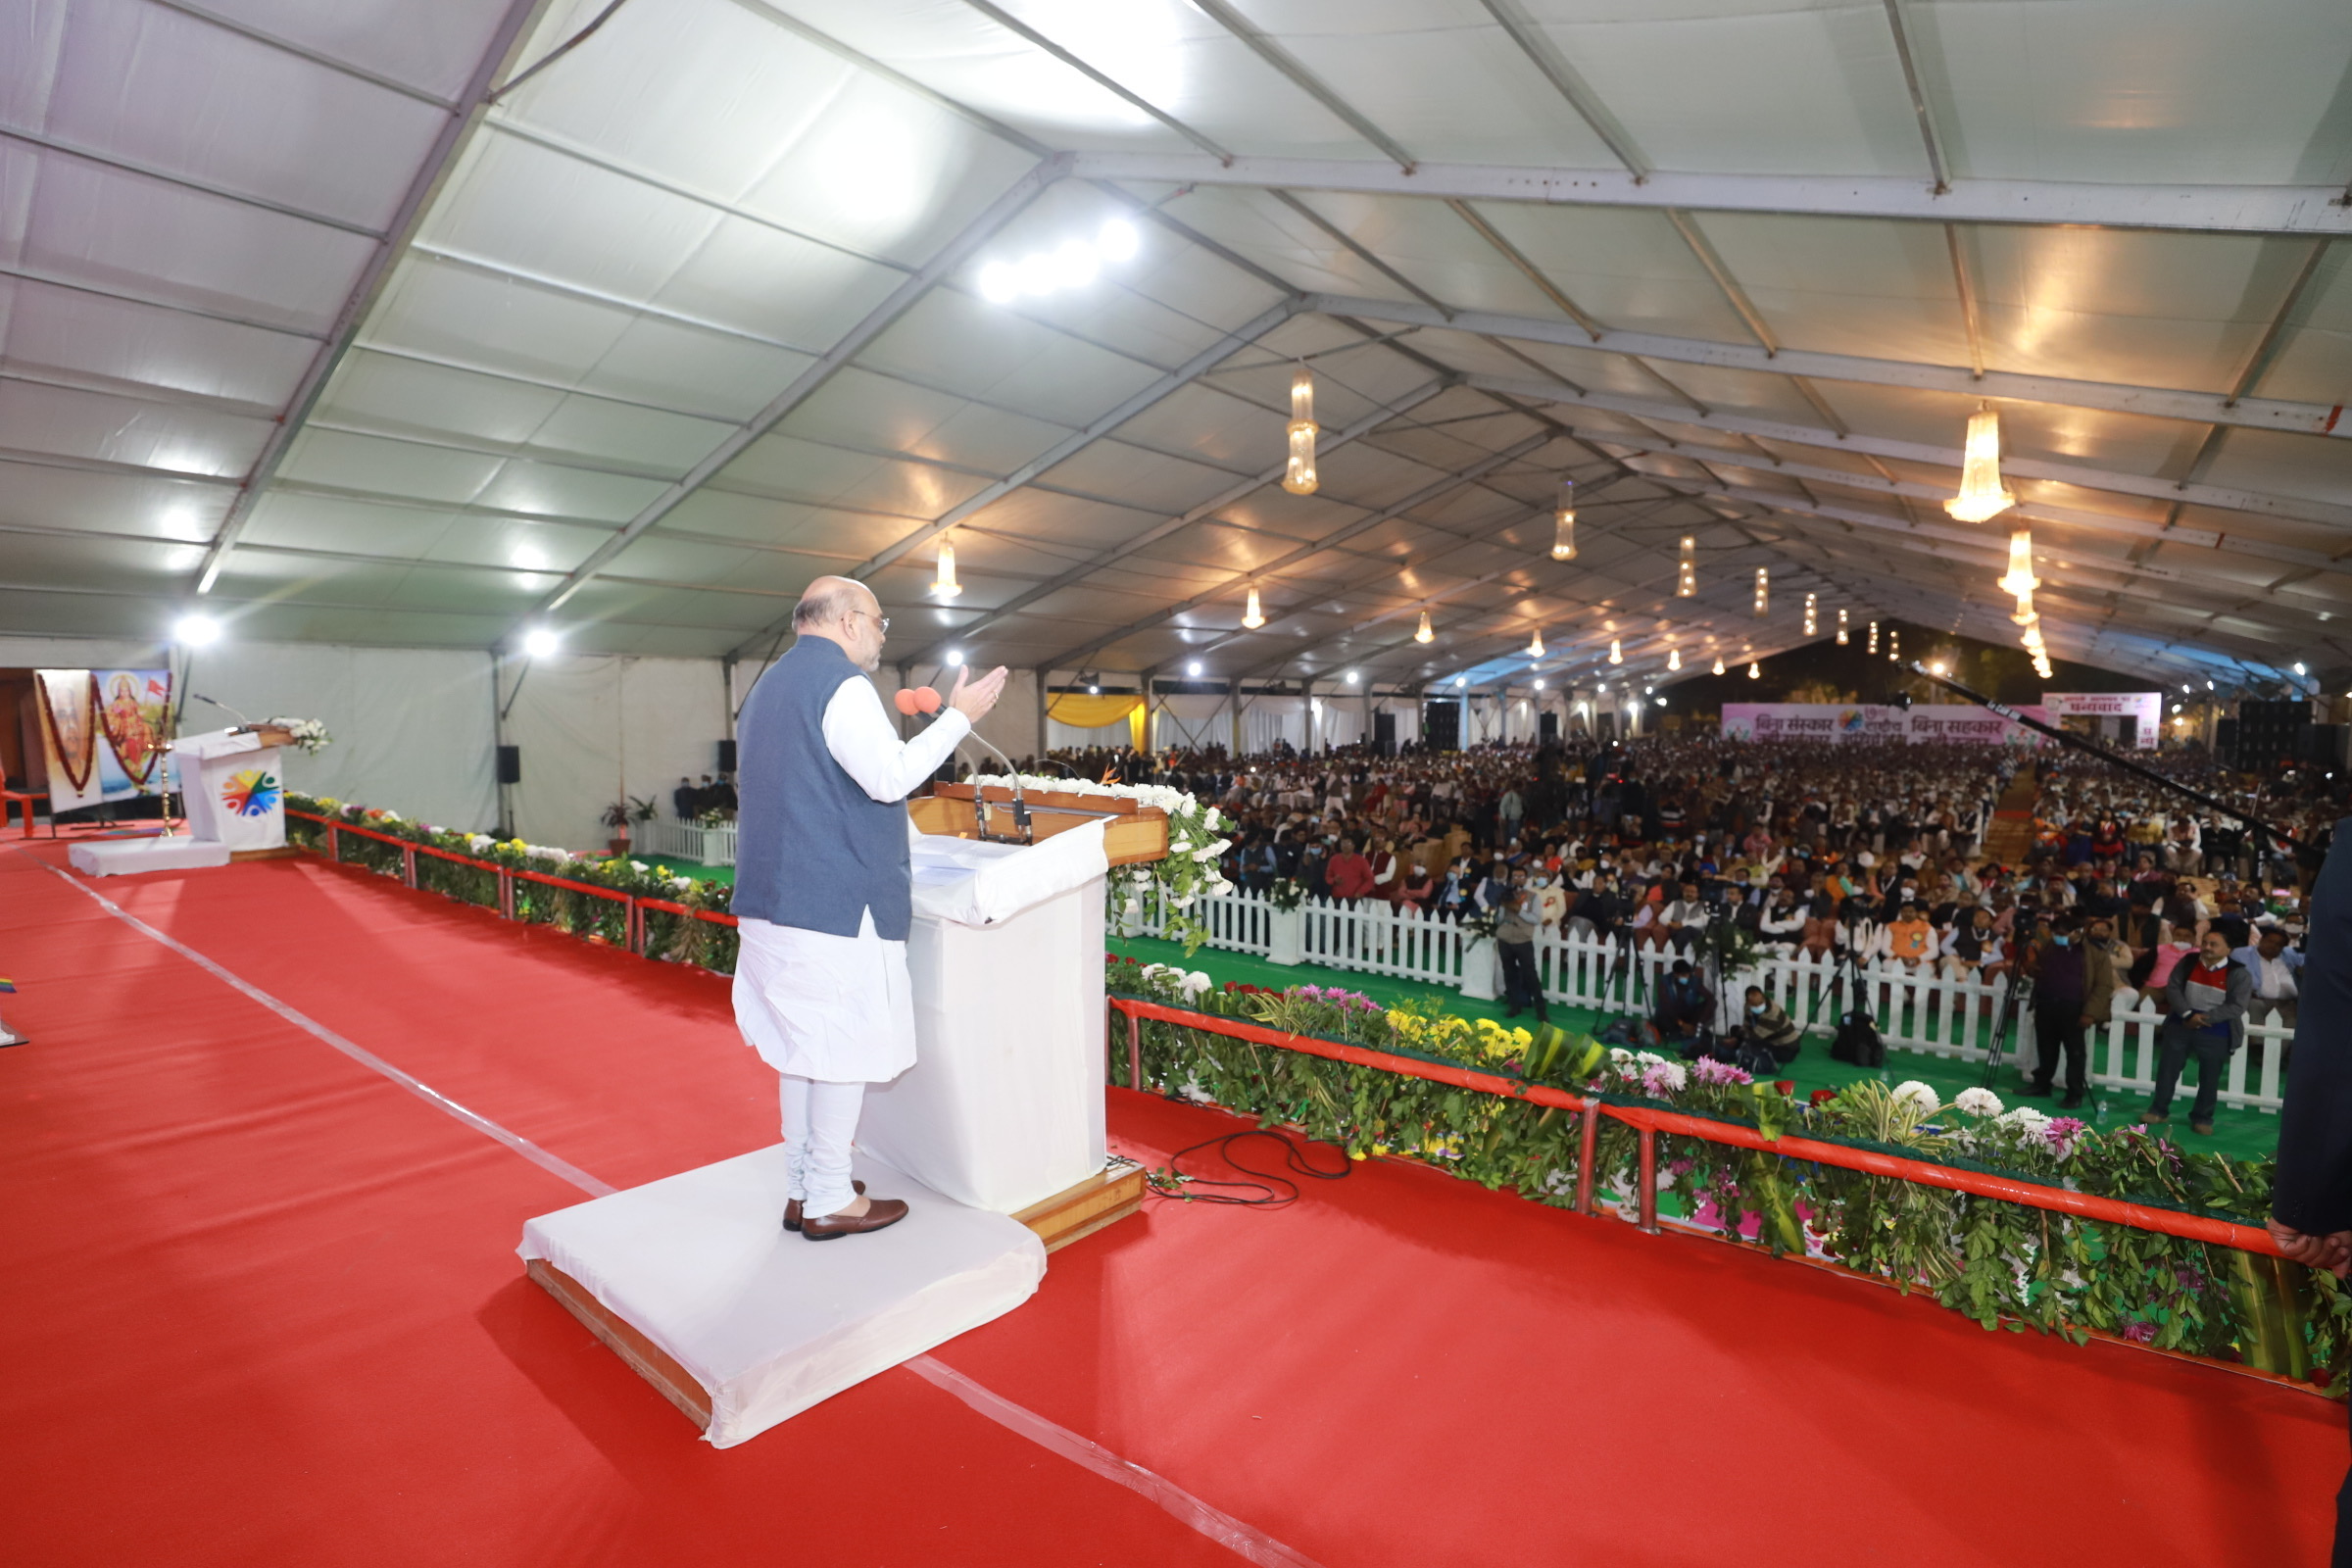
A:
[297,299]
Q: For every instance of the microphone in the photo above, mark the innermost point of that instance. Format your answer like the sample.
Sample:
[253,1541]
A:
[212,702]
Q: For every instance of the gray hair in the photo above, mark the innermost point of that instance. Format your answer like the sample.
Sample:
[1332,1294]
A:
[826,600]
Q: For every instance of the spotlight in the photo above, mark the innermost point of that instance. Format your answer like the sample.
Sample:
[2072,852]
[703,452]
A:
[1538,684]
[1461,680]
[956,657]
[1191,666]
[193,630]
[540,641]
[1352,678]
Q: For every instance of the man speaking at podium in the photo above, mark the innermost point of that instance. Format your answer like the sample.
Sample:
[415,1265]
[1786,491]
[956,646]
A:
[823,890]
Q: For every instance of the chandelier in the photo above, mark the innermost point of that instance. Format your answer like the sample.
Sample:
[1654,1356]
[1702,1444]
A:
[944,583]
[1252,616]
[1422,633]
[1980,494]
[1685,571]
[1299,474]
[1563,523]
[1763,592]
[1841,628]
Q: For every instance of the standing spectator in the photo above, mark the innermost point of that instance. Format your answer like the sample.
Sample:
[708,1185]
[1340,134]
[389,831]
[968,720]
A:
[2204,1015]
[2074,988]
[1350,874]
[1515,924]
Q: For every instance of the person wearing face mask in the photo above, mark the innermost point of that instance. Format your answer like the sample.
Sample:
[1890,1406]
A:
[2074,988]
[1766,1023]
[2205,1006]
[1515,924]
[1552,898]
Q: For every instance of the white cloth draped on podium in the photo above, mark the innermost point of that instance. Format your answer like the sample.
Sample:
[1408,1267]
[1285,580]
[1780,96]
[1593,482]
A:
[235,795]
[1004,1108]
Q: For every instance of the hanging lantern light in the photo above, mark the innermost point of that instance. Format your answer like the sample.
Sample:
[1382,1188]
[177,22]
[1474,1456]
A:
[1563,523]
[1755,672]
[1812,623]
[1763,592]
[1252,616]
[1299,474]
[1685,571]
[1616,652]
[1674,658]
[1534,644]
[1894,646]
[1719,663]
[1980,494]
[1874,637]
[944,583]
[1422,633]
[2019,579]
[1841,628]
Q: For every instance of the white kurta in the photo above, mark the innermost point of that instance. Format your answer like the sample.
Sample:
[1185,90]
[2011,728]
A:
[841,1009]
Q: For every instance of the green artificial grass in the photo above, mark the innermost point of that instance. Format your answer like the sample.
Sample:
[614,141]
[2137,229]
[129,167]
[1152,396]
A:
[2241,1134]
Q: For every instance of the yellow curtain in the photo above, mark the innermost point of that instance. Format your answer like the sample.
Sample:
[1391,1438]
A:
[1135,721]
[1091,712]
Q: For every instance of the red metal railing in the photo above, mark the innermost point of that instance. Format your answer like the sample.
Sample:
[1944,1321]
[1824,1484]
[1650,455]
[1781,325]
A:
[1650,1121]
[634,907]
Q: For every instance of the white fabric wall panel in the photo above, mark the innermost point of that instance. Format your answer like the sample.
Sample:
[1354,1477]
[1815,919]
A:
[1011,730]
[1268,721]
[1342,722]
[595,728]
[411,726]
[1192,721]
[1060,735]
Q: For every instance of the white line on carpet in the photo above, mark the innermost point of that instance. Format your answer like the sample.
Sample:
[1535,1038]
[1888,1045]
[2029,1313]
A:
[1246,1539]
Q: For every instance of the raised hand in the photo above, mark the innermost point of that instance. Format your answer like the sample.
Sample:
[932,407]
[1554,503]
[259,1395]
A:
[974,697]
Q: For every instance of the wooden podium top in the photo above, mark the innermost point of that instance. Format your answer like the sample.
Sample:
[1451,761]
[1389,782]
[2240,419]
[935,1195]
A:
[1134,833]
[269,734]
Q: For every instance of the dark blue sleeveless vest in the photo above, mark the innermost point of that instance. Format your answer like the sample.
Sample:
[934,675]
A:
[812,849]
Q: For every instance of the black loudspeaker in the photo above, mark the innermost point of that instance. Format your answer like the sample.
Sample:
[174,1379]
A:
[510,764]
[726,756]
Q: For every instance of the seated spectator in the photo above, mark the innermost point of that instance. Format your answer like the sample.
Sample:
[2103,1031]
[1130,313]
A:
[1683,1008]
[1350,874]
[1767,1023]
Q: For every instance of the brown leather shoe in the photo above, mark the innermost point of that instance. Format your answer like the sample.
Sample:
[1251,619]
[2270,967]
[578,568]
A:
[880,1213]
[792,1209]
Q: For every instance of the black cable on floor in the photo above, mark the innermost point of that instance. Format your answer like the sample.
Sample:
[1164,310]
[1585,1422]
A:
[1274,1189]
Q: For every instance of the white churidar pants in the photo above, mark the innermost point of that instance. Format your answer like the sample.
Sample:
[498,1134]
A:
[819,1121]
[830,1014]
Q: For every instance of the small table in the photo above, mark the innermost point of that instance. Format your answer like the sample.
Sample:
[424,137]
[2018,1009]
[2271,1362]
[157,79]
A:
[9,800]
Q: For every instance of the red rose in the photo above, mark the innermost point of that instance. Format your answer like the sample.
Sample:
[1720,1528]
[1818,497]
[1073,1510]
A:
[1786,1086]
[1822,1097]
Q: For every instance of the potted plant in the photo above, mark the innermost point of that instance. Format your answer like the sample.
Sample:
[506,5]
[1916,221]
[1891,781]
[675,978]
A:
[1286,924]
[618,817]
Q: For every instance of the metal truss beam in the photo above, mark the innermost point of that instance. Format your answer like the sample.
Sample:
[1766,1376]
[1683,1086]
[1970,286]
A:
[2131,484]
[1126,547]
[1063,450]
[464,117]
[1006,207]
[2205,208]
[2163,403]
[1446,486]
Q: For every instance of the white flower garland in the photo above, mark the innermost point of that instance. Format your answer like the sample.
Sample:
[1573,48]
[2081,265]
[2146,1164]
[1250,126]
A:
[1189,871]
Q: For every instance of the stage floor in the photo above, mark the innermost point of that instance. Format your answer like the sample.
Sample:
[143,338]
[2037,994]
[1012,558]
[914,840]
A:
[263,1307]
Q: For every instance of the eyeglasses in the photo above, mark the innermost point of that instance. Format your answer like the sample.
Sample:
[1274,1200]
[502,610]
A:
[882,621]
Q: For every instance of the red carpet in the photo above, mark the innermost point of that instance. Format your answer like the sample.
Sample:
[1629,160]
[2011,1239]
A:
[264,1308]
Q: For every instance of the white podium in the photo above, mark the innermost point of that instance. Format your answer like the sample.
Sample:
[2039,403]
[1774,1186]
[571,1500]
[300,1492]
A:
[235,795]
[995,1137]
[235,786]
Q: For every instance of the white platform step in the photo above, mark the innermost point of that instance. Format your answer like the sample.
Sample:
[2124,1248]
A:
[130,856]
[769,1323]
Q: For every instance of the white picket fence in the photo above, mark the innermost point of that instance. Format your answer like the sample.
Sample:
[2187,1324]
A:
[684,841]
[1924,1012]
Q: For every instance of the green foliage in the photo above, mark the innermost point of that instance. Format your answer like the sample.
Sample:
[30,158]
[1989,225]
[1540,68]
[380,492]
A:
[2003,1264]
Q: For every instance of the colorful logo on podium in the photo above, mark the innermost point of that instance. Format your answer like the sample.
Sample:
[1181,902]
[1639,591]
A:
[252,793]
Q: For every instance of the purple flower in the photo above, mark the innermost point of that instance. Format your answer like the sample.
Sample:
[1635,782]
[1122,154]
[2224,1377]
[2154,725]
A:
[2061,1132]
[1712,1072]
[2140,1333]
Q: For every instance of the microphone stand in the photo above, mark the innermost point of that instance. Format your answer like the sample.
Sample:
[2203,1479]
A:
[2084,743]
